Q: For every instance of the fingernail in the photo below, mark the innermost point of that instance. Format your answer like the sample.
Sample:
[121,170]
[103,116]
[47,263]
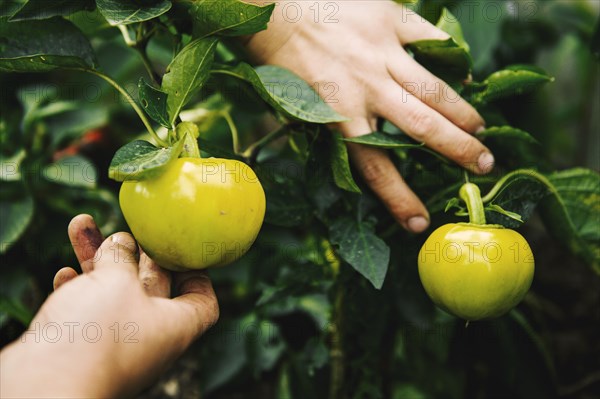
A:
[480,129]
[486,162]
[124,240]
[117,239]
[417,224]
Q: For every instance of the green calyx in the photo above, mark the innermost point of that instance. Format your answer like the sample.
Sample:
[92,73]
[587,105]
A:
[188,132]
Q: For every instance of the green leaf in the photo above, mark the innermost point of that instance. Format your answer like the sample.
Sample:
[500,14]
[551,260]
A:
[534,338]
[9,7]
[510,82]
[98,202]
[118,12]
[265,346]
[320,186]
[342,175]
[216,151]
[74,171]
[16,214]
[518,192]
[65,120]
[569,204]
[513,148]
[361,248]
[572,214]
[229,17]
[42,9]
[140,159]
[482,31]
[154,102]
[507,133]
[502,211]
[287,93]
[10,167]
[187,73]
[384,140]
[287,205]
[408,391]
[38,46]
[16,310]
[225,352]
[449,24]
[16,288]
[444,58]
[595,42]
[453,203]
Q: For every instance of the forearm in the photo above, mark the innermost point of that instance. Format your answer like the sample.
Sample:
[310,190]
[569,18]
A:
[45,370]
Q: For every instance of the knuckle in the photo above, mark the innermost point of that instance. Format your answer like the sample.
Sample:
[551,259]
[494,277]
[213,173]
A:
[149,281]
[404,203]
[206,313]
[469,121]
[214,314]
[466,153]
[375,172]
[421,124]
[399,209]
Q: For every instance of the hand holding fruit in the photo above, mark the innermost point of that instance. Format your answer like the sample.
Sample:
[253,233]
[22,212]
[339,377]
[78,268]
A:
[138,330]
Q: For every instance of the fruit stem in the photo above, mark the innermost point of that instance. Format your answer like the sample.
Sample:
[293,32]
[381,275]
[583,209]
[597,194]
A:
[470,193]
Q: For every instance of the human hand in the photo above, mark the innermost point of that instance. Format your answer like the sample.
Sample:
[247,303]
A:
[110,331]
[360,66]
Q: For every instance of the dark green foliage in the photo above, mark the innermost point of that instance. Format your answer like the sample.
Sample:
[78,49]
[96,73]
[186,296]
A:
[328,301]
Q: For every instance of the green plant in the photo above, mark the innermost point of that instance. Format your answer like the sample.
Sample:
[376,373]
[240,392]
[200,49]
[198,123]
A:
[326,249]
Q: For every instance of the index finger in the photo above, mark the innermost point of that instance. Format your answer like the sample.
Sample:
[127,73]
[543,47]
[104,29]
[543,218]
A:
[380,173]
[85,238]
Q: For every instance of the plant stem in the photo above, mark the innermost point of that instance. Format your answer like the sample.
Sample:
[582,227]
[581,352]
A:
[141,50]
[125,32]
[470,193]
[530,173]
[131,101]
[336,352]
[252,151]
[234,132]
[139,45]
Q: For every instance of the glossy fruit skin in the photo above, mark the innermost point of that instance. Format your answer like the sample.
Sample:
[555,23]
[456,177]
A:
[476,271]
[197,213]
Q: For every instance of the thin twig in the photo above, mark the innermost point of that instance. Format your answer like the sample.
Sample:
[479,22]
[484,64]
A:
[131,101]
[252,152]
[336,352]
[234,132]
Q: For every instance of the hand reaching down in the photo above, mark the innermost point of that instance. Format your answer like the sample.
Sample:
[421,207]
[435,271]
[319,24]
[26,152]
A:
[353,52]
